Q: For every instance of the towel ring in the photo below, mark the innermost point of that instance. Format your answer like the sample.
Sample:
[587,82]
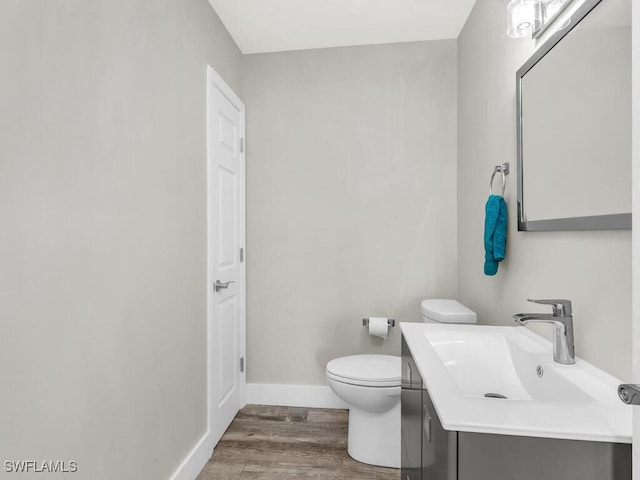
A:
[504,170]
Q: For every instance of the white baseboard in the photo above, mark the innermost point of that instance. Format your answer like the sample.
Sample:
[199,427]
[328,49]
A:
[195,461]
[312,396]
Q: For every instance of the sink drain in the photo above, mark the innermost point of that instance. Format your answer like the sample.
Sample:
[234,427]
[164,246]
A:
[494,395]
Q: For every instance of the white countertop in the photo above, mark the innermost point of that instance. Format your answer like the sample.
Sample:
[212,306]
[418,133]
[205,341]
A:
[603,417]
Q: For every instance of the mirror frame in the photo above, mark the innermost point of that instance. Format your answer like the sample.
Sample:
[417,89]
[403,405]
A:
[618,221]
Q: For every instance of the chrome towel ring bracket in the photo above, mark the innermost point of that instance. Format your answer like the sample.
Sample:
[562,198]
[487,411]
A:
[504,170]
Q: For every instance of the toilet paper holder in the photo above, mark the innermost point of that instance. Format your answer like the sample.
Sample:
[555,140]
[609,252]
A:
[390,321]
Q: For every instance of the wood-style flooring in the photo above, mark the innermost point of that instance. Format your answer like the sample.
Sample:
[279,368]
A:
[286,443]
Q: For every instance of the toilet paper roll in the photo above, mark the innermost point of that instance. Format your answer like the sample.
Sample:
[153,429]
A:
[378,327]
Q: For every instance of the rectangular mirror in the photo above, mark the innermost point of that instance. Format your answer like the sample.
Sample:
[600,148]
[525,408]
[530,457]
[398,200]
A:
[574,124]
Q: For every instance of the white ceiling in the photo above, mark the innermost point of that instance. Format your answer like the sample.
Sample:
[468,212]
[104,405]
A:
[260,26]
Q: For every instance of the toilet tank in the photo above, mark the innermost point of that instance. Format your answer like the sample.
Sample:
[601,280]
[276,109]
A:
[446,311]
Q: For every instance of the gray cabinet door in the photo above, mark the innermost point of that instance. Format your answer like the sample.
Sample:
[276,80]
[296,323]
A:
[485,456]
[411,407]
[439,446]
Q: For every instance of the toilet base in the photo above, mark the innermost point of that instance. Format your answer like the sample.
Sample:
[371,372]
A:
[374,438]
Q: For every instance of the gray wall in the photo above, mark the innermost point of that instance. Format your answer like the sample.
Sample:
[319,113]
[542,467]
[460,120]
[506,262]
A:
[102,251]
[351,199]
[591,268]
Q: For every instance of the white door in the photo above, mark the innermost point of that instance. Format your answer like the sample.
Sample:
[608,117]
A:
[226,279]
[635,235]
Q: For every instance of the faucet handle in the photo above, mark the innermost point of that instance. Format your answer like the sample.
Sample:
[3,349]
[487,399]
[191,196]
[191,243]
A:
[561,308]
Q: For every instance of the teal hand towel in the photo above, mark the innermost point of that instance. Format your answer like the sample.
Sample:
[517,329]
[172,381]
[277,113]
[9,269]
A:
[495,233]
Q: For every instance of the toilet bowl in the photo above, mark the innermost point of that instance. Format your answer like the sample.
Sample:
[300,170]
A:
[370,385]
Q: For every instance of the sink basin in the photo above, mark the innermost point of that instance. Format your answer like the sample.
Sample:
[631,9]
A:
[493,379]
[501,362]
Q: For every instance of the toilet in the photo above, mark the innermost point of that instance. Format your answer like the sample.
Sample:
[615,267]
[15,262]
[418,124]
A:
[370,385]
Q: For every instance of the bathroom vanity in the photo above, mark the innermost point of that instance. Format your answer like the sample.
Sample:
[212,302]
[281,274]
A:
[428,451]
[451,431]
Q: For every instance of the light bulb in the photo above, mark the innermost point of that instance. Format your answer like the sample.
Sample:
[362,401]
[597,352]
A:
[552,8]
[523,17]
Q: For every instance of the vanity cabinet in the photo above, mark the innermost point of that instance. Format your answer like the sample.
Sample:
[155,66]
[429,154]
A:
[439,446]
[429,452]
[411,408]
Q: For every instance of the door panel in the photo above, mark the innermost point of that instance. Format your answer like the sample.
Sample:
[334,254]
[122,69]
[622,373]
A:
[228,352]
[226,219]
[411,417]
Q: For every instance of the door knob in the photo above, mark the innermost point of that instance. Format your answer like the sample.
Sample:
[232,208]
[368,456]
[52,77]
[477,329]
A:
[221,285]
[629,393]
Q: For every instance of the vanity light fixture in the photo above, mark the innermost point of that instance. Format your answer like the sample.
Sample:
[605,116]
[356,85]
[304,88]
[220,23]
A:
[523,17]
[551,9]
[533,17]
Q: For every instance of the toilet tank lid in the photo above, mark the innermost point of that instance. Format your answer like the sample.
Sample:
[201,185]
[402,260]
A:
[447,311]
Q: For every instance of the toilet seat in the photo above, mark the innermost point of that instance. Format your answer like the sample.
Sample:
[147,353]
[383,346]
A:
[366,370]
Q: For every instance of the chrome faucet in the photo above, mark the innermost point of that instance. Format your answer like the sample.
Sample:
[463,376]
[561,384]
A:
[562,320]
